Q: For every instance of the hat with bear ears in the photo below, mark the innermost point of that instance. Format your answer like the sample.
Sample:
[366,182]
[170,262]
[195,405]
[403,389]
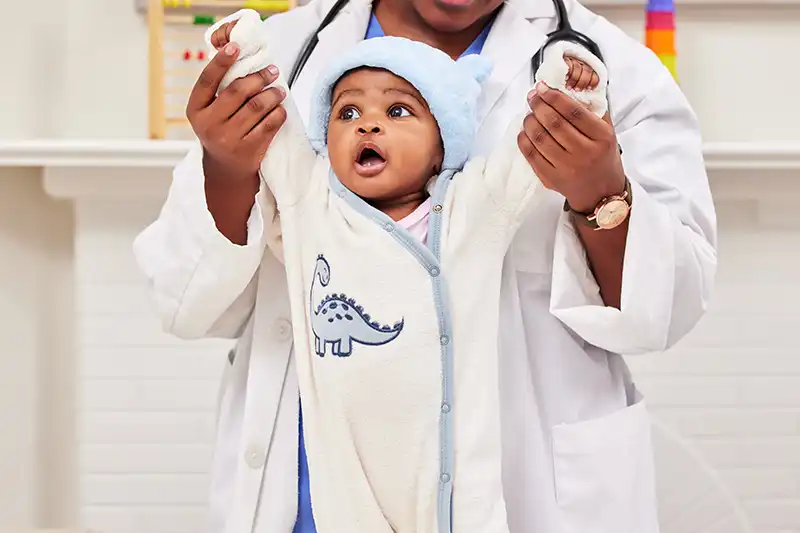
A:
[450,88]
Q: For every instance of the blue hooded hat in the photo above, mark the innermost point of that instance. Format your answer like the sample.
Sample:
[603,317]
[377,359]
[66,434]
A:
[451,89]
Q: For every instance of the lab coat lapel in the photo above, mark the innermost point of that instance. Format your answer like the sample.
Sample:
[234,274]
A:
[512,42]
[344,32]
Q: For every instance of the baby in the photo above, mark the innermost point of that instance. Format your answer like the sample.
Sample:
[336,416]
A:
[393,242]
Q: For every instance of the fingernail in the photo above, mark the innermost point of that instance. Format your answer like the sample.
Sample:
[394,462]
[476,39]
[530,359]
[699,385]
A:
[531,94]
[272,69]
[282,92]
[542,87]
[230,49]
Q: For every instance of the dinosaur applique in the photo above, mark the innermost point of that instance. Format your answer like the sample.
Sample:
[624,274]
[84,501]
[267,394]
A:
[339,321]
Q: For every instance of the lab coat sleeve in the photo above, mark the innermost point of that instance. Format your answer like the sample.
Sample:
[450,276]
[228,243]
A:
[509,178]
[203,284]
[670,255]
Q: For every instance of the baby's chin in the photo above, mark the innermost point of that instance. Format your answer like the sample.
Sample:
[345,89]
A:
[373,188]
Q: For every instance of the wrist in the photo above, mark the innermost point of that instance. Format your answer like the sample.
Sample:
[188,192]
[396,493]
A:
[216,171]
[586,201]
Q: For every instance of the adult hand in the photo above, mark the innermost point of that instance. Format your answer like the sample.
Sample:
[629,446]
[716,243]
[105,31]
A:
[572,151]
[236,127]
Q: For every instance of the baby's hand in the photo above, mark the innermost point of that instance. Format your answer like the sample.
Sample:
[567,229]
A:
[580,76]
[222,35]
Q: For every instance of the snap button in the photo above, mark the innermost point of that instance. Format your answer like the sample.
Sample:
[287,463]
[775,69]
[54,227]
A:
[254,457]
[445,340]
[445,478]
[388,227]
[342,193]
[437,208]
[283,329]
[445,408]
[434,271]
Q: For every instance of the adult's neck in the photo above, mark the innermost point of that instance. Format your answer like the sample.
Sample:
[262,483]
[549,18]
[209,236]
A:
[398,18]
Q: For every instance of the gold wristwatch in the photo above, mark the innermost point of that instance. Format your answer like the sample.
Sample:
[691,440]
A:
[610,212]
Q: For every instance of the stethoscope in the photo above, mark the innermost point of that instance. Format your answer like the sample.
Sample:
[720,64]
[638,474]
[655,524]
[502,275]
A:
[563,32]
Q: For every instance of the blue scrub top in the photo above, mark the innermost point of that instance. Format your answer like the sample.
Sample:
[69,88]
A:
[305,519]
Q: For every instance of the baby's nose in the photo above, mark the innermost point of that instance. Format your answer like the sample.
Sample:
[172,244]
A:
[364,129]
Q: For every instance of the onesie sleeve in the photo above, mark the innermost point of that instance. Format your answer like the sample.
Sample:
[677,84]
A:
[511,183]
[288,163]
[288,166]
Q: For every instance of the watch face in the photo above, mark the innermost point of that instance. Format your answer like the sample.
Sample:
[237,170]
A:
[612,214]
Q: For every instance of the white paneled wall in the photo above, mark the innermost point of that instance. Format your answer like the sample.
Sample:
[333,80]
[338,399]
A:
[147,400]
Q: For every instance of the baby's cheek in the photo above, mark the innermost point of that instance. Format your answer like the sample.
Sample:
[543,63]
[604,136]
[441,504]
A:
[339,155]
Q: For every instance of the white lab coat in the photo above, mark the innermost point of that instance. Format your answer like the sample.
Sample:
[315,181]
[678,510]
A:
[575,432]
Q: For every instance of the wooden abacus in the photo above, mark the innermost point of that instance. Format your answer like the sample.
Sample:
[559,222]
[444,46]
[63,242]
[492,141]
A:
[177,54]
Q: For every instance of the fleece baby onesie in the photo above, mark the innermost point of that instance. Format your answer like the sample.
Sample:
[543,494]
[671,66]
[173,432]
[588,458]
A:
[395,340]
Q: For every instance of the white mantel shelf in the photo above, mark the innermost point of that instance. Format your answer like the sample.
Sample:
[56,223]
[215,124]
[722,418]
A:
[779,155]
[85,168]
[132,153]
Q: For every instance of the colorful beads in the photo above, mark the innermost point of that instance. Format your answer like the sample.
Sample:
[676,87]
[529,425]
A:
[660,32]
[188,55]
[203,20]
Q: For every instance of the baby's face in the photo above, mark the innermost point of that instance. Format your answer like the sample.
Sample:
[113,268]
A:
[383,142]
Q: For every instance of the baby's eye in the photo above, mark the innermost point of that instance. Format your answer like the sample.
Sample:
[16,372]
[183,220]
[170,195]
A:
[399,111]
[349,113]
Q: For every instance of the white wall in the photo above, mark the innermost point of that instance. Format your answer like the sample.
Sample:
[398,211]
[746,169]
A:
[37,449]
[148,399]
[144,401]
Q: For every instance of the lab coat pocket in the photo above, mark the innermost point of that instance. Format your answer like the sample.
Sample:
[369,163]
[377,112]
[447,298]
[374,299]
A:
[604,473]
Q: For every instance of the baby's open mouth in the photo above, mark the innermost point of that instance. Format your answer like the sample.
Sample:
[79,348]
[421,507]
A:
[370,160]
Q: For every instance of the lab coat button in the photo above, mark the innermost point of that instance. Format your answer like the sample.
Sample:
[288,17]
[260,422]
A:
[388,227]
[445,407]
[437,208]
[283,329]
[434,271]
[445,340]
[254,457]
[445,478]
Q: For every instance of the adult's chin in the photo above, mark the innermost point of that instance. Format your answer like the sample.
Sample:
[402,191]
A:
[452,16]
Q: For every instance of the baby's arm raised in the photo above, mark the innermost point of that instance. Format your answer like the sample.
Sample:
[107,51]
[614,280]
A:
[289,160]
[567,68]
[507,175]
